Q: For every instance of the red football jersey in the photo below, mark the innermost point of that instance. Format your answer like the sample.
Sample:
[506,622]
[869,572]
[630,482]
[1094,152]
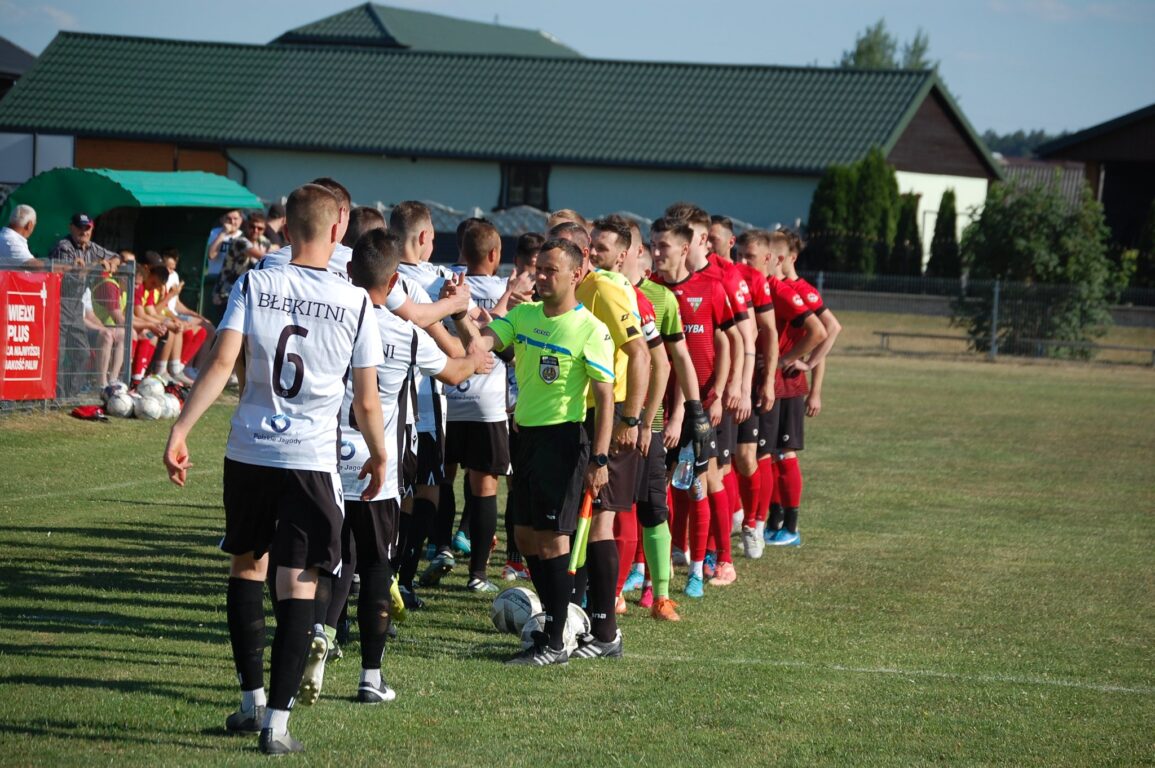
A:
[808,293]
[758,288]
[790,313]
[732,280]
[703,307]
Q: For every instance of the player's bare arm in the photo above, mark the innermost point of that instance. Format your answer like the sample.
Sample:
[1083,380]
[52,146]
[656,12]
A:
[603,392]
[732,389]
[208,387]
[637,379]
[769,335]
[815,333]
[367,406]
[659,377]
[721,371]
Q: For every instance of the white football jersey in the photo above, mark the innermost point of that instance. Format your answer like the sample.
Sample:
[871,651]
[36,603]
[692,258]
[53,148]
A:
[304,329]
[405,347]
[430,393]
[483,396]
[338,262]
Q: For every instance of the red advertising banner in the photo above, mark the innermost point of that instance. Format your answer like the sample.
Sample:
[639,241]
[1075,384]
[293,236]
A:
[30,330]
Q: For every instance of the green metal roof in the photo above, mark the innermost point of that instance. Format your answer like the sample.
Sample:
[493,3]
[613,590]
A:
[371,24]
[786,120]
[59,193]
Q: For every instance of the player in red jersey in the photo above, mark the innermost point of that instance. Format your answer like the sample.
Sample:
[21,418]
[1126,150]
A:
[796,339]
[706,317]
[813,299]
[737,395]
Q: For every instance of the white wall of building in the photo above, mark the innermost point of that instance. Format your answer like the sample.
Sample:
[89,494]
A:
[460,184]
[759,200]
[970,195]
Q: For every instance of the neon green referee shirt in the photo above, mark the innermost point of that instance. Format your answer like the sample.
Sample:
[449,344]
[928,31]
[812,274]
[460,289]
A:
[555,359]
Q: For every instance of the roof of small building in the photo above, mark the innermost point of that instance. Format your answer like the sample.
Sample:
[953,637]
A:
[371,24]
[758,119]
[14,60]
[1128,137]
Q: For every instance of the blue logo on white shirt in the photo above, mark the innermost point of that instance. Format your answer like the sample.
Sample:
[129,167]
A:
[280,423]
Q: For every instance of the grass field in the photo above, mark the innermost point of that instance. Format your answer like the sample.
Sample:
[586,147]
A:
[976,587]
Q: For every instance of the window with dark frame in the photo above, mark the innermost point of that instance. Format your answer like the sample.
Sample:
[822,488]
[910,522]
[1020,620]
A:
[524,184]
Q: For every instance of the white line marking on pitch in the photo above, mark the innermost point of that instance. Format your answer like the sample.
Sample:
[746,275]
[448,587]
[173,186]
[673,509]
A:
[1011,679]
[88,491]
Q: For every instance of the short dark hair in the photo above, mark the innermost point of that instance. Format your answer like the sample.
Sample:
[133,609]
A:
[568,247]
[255,217]
[337,188]
[759,236]
[581,237]
[276,211]
[375,257]
[528,246]
[480,238]
[465,224]
[690,213]
[362,219]
[408,216]
[723,220]
[796,244]
[151,259]
[617,224]
[311,209]
[678,227]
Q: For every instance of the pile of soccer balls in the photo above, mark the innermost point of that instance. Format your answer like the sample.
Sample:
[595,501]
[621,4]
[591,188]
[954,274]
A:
[151,400]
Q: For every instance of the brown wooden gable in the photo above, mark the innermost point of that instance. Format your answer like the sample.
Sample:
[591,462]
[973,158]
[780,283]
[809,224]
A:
[1127,143]
[934,142]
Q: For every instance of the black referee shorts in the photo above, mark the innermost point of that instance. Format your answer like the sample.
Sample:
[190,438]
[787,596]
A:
[549,476]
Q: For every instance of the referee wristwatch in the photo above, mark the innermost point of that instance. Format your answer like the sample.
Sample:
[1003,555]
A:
[599,459]
[630,421]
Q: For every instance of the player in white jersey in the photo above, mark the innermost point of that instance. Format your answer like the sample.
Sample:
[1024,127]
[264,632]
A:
[302,331]
[374,522]
[477,434]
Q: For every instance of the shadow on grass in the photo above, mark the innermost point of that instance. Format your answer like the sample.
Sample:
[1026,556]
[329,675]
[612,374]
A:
[71,731]
[136,687]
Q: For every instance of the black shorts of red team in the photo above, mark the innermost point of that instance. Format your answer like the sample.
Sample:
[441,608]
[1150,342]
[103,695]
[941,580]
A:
[546,488]
[749,429]
[650,489]
[374,527]
[294,514]
[618,493]
[727,439]
[482,446]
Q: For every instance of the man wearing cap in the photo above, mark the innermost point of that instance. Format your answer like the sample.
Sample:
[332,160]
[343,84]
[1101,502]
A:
[14,238]
[75,256]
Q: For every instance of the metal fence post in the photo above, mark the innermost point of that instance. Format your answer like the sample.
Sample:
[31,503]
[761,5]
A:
[130,292]
[995,322]
[821,280]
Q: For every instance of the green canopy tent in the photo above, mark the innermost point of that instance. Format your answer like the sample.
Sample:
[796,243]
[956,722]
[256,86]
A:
[133,209]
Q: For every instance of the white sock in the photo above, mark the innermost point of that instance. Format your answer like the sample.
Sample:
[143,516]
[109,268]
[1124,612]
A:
[760,527]
[176,368]
[371,676]
[277,719]
[696,568]
[251,699]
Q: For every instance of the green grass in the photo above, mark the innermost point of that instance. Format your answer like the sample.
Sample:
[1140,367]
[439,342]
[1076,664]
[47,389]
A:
[977,587]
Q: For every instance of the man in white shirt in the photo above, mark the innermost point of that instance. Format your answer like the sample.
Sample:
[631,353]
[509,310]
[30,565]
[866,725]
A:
[14,237]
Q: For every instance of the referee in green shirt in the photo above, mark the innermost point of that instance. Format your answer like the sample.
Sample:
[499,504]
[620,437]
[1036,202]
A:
[561,351]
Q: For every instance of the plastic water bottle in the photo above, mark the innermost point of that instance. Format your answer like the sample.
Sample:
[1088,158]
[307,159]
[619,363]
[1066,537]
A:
[684,471]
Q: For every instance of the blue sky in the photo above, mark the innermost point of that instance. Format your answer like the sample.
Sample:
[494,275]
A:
[1050,64]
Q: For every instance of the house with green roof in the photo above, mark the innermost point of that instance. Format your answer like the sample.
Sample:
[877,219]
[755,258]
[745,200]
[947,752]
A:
[373,100]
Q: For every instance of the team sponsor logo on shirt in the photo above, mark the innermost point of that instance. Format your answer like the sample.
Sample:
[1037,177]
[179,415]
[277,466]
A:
[695,302]
[549,368]
[280,423]
[347,450]
[695,328]
[464,386]
[812,297]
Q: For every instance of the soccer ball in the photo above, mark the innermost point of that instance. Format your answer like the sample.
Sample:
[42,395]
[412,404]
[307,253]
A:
[172,405]
[148,408]
[536,623]
[578,620]
[512,608]
[115,388]
[150,386]
[119,404]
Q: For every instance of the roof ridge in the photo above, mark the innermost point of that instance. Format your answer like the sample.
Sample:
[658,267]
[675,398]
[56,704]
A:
[848,71]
